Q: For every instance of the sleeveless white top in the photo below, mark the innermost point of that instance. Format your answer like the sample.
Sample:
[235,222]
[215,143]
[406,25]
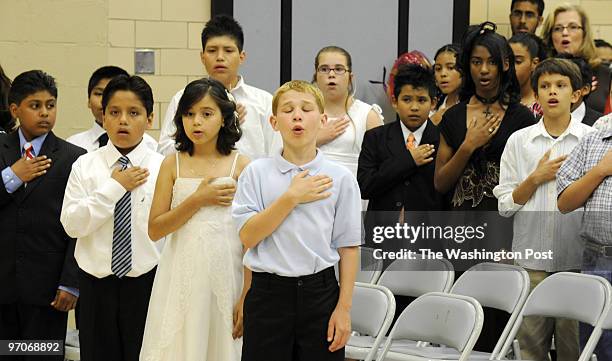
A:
[346,148]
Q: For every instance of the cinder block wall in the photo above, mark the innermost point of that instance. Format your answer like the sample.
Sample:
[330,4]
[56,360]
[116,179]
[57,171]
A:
[71,38]
[599,11]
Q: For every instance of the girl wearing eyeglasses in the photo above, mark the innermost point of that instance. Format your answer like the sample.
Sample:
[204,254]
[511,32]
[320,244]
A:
[567,30]
[347,118]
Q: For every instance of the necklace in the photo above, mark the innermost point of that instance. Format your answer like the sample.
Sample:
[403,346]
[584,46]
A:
[213,165]
[488,102]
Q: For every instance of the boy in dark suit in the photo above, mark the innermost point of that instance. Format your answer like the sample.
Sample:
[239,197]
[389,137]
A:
[38,272]
[396,167]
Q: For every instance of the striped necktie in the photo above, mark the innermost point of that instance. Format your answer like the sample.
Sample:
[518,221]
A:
[121,262]
[28,150]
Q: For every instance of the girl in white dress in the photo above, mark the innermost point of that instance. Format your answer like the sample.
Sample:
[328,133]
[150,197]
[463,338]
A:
[195,312]
[347,118]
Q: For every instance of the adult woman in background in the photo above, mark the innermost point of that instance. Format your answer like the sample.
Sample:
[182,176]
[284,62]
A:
[567,30]
[347,118]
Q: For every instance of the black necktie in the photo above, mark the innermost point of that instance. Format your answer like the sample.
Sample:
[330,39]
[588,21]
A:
[103,139]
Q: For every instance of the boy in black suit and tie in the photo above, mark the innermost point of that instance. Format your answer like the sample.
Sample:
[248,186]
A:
[38,272]
[396,168]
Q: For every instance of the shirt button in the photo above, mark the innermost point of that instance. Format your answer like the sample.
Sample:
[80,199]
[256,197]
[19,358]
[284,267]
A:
[399,204]
[300,282]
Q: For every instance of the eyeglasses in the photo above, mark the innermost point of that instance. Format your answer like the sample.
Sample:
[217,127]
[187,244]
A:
[529,15]
[571,28]
[338,69]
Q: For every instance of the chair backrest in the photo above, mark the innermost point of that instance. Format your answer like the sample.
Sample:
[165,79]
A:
[496,285]
[416,277]
[373,309]
[370,268]
[451,320]
[576,296]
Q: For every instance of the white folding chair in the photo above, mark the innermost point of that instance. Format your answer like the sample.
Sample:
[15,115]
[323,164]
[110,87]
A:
[606,325]
[370,268]
[416,277]
[442,318]
[576,296]
[371,316]
[495,285]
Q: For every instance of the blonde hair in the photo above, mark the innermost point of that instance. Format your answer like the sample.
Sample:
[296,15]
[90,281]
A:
[587,48]
[299,86]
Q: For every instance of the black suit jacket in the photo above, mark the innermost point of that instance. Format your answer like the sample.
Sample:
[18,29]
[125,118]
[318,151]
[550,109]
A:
[388,176]
[591,116]
[36,254]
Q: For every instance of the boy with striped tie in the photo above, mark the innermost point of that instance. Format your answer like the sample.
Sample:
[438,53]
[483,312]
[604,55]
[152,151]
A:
[106,207]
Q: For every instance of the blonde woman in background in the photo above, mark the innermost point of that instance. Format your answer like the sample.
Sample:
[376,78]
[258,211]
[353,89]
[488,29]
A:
[567,30]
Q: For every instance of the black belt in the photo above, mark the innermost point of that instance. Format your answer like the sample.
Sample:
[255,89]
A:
[600,249]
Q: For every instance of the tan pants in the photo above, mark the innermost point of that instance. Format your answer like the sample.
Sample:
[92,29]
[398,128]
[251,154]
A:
[535,333]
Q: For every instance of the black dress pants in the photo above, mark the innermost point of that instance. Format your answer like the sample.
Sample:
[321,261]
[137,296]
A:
[113,315]
[32,322]
[286,318]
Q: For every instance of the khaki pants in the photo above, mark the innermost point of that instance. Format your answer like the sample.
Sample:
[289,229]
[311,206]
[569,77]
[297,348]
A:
[535,333]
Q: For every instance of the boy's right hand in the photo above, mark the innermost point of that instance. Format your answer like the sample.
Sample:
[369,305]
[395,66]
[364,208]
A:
[305,189]
[215,194]
[547,168]
[422,154]
[130,178]
[29,169]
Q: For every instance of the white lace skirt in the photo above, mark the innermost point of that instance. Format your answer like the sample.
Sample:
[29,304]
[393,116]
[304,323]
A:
[197,283]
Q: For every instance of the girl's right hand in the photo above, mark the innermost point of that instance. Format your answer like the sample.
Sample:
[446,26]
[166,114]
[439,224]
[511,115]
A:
[332,130]
[480,134]
[215,194]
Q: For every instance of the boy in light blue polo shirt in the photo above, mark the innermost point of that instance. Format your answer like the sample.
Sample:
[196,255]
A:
[298,214]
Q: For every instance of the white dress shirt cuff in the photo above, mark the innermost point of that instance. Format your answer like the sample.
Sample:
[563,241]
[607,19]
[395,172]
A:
[112,190]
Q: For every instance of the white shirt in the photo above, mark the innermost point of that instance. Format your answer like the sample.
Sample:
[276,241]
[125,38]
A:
[88,139]
[257,133]
[538,224]
[579,113]
[418,134]
[89,205]
[604,123]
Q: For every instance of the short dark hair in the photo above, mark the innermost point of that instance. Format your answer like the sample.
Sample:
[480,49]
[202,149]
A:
[539,3]
[30,82]
[105,72]
[416,76]
[563,67]
[586,73]
[230,131]
[223,25]
[601,43]
[533,43]
[134,84]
